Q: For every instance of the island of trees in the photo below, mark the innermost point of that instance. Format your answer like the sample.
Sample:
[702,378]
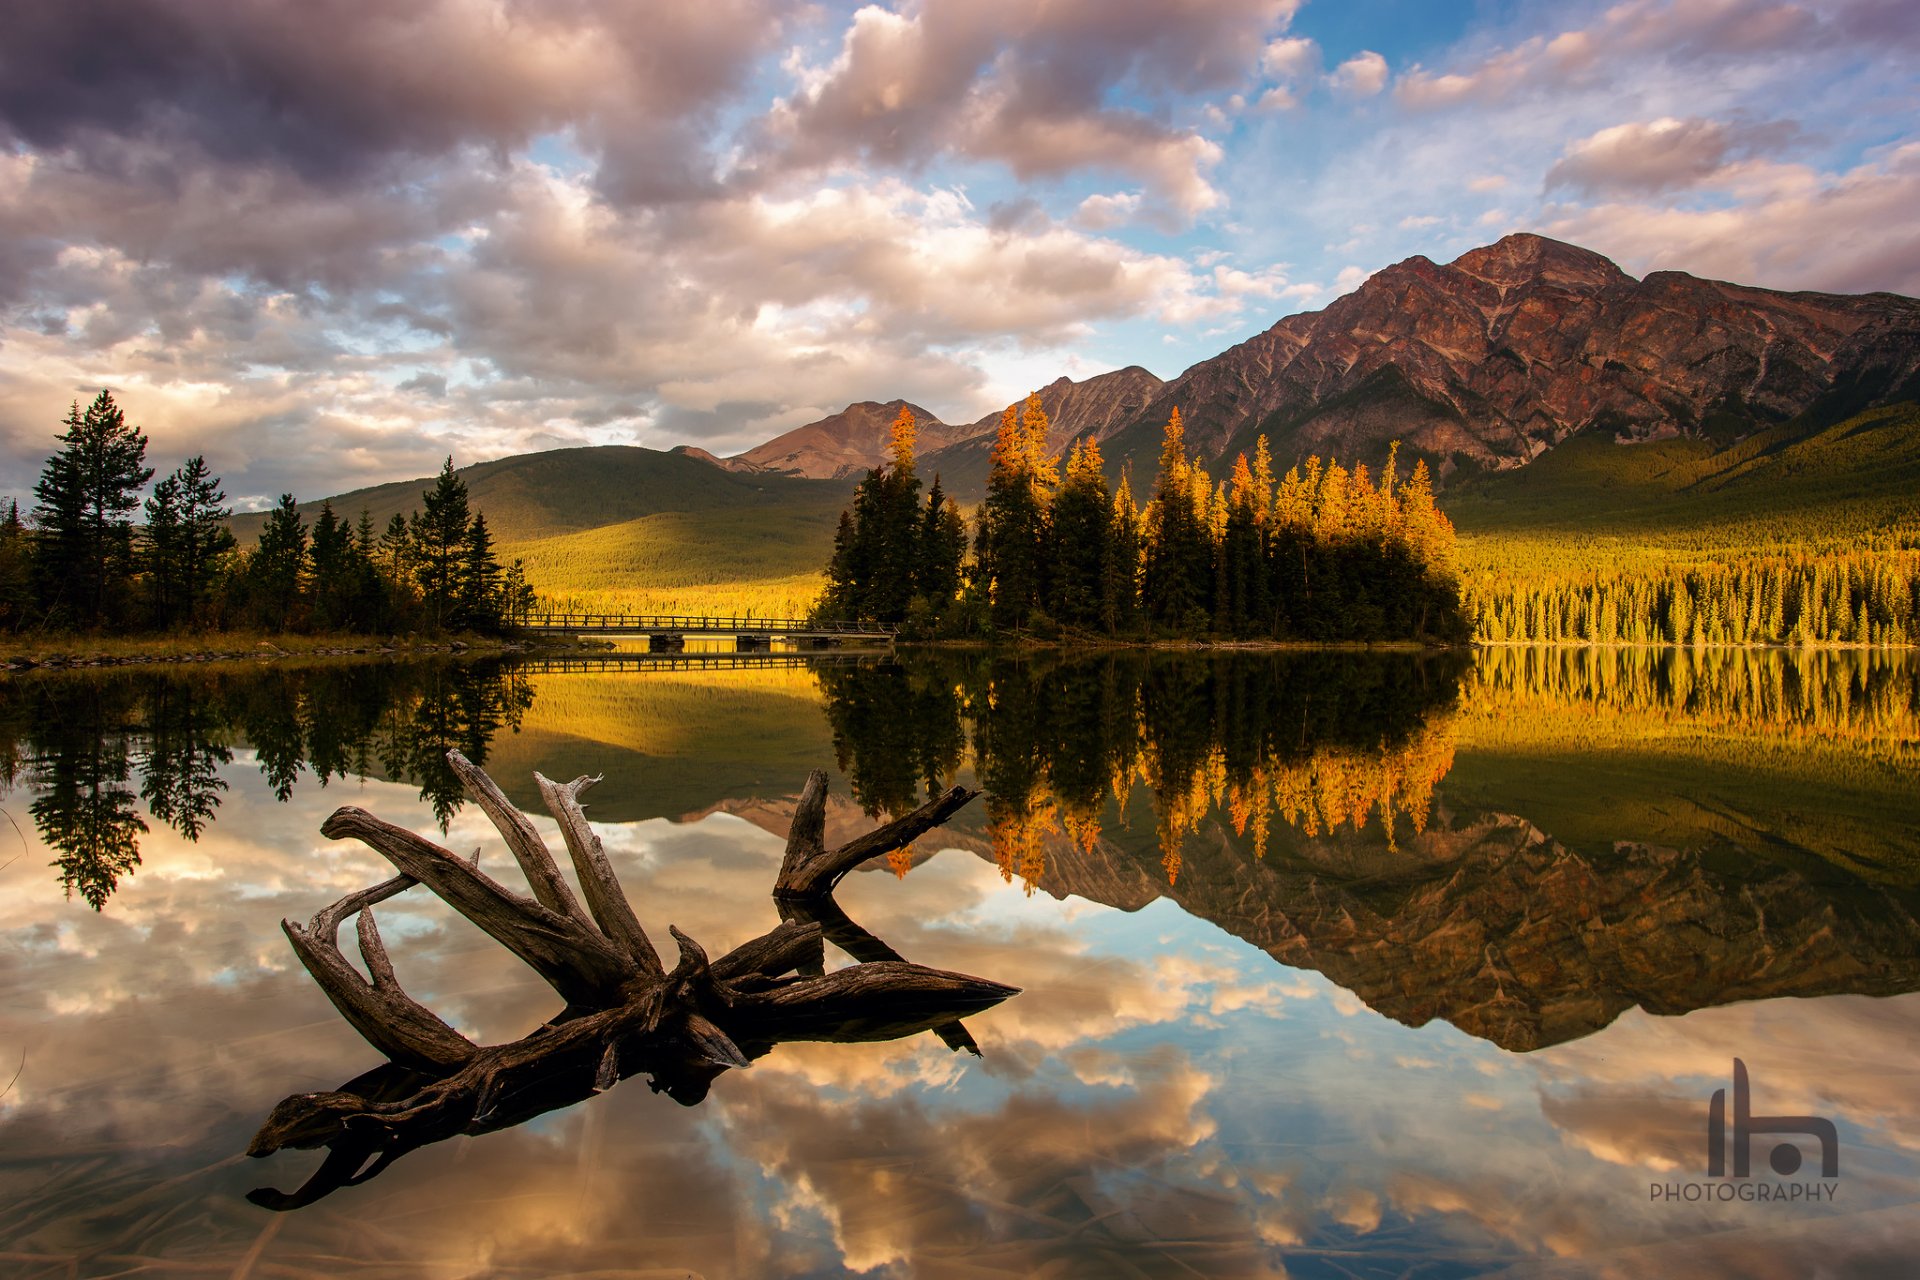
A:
[86,562]
[1321,554]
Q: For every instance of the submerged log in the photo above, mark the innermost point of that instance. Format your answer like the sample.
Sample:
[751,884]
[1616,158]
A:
[624,1013]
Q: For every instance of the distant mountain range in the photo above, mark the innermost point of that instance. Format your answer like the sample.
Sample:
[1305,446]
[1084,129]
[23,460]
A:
[1480,364]
[1515,370]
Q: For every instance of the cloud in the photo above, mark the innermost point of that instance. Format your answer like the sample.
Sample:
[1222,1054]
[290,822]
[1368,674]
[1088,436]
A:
[1675,31]
[1290,58]
[1361,76]
[334,91]
[1036,89]
[1099,212]
[1785,226]
[1660,155]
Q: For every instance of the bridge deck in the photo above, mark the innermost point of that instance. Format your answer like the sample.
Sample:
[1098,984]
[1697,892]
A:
[687,625]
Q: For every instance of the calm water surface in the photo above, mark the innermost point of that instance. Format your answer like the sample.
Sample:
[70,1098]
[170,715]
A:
[1332,965]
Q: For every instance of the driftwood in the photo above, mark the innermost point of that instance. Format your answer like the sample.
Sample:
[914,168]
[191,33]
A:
[624,1013]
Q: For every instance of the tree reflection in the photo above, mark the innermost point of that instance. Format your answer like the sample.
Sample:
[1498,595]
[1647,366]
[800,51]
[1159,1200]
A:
[1061,743]
[81,763]
[95,746]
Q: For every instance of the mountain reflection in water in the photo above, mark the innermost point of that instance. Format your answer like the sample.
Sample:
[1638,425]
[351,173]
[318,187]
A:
[1202,869]
[1300,805]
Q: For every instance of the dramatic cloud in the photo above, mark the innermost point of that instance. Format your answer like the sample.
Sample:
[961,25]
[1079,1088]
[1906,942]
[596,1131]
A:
[1038,89]
[328,243]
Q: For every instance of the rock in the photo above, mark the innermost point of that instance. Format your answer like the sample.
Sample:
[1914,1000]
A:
[1504,352]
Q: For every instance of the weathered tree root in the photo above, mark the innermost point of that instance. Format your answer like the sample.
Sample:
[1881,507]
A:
[625,1013]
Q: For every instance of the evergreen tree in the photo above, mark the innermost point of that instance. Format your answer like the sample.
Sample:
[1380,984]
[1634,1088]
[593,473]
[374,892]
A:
[878,562]
[480,602]
[943,545]
[438,536]
[335,581]
[204,542]
[1120,576]
[276,570]
[1240,595]
[1011,544]
[1178,568]
[16,570]
[1081,529]
[85,500]
[163,539]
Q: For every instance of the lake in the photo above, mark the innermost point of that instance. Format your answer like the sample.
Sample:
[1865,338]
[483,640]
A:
[1330,964]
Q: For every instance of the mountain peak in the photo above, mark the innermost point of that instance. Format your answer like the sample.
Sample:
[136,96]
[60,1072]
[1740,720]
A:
[1523,257]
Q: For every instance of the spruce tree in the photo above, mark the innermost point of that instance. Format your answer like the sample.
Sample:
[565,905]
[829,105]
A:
[162,558]
[1010,546]
[438,537]
[1080,531]
[16,570]
[85,500]
[204,542]
[943,545]
[480,602]
[1178,569]
[277,567]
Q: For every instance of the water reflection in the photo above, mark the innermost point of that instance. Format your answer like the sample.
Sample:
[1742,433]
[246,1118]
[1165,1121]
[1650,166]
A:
[92,747]
[1304,805]
[1321,1047]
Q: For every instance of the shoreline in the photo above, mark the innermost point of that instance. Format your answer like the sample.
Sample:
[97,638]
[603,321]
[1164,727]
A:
[72,653]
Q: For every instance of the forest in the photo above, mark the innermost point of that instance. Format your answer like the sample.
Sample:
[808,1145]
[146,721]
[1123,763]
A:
[86,563]
[1322,554]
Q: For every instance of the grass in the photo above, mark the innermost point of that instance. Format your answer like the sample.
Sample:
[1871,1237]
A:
[1847,487]
[767,562]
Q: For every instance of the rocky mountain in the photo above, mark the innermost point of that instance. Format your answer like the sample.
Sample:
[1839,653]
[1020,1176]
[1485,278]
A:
[849,442]
[1486,922]
[1499,355]
[845,443]
[1095,407]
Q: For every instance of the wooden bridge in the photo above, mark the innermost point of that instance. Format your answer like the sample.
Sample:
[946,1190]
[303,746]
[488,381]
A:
[668,633]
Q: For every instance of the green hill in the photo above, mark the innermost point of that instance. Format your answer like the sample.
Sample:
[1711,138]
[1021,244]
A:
[767,559]
[537,495]
[1857,480]
[621,528]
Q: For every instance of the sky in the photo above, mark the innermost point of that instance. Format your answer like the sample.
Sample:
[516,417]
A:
[327,243]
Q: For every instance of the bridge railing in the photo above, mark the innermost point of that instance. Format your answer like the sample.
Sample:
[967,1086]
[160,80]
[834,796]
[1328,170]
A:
[689,623]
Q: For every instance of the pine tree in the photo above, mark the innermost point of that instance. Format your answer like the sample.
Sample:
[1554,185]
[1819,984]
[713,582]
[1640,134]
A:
[204,542]
[1178,561]
[1010,545]
[16,570]
[277,568]
[162,558]
[879,563]
[1120,575]
[1080,532]
[943,545]
[85,500]
[480,601]
[437,537]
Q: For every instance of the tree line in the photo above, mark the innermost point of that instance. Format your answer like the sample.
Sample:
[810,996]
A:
[1854,598]
[86,562]
[1321,554]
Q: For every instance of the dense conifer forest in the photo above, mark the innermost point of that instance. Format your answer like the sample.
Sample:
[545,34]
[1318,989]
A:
[1321,554]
